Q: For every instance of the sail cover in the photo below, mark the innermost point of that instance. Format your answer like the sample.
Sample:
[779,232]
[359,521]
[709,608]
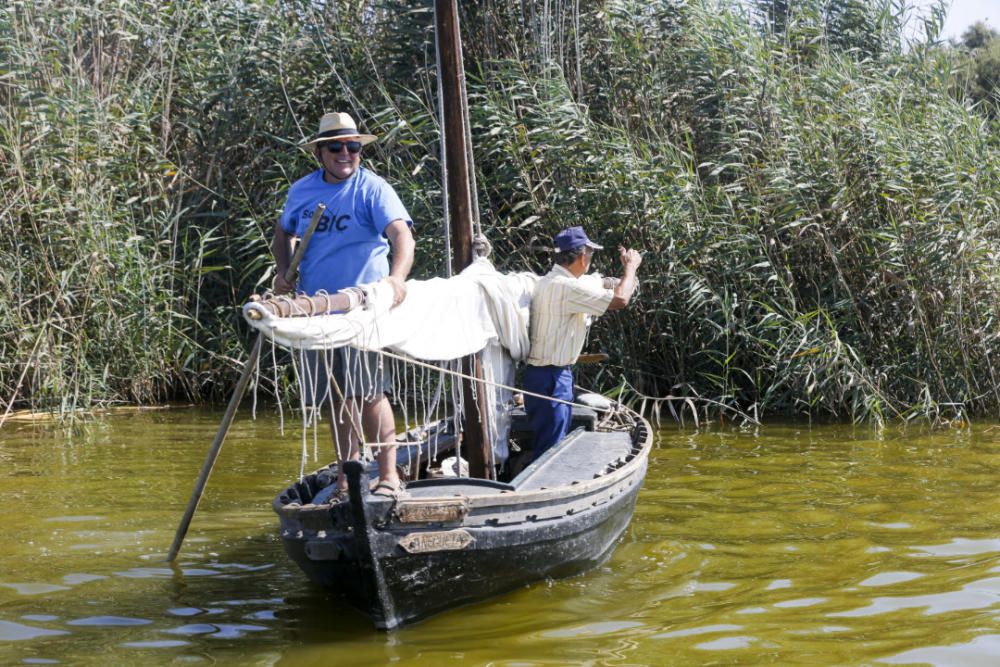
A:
[440,319]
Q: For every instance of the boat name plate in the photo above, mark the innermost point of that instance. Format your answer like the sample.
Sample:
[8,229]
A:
[430,511]
[444,540]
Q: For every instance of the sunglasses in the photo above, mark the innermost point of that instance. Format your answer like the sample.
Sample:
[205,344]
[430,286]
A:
[335,146]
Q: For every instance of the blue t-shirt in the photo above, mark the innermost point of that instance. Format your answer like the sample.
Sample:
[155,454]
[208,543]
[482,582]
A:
[349,246]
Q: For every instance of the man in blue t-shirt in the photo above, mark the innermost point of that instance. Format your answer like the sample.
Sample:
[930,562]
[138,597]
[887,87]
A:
[364,220]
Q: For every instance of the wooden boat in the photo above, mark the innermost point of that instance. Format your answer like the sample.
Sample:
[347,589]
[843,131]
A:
[447,541]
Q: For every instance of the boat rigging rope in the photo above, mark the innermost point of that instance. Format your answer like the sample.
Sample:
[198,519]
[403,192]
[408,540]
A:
[459,374]
[300,311]
[467,134]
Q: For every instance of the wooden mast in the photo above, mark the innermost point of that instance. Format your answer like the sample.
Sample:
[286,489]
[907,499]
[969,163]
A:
[475,437]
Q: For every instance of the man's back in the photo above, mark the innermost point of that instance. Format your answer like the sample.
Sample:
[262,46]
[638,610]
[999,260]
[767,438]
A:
[561,307]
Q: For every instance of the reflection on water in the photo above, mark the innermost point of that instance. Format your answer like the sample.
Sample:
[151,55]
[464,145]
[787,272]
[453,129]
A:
[786,544]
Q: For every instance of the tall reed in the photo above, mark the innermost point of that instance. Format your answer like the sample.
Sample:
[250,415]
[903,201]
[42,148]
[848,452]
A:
[819,214]
[818,211]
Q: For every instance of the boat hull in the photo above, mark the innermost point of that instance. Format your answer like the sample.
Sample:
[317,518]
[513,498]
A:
[440,546]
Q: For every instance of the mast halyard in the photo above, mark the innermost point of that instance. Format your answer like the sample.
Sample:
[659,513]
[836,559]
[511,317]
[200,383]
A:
[461,194]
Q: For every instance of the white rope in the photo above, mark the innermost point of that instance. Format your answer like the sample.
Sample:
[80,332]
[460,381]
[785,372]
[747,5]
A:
[500,385]
[274,368]
[467,136]
[302,403]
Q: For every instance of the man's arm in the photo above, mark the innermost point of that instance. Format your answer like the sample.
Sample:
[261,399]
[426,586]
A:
[280,244]
[401,239]
[631,259]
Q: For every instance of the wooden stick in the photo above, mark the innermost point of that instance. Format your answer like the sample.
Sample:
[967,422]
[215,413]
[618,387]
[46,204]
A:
[302,305]
[234,401]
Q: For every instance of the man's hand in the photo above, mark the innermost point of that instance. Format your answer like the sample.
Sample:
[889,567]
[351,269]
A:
[398,289]
[401,239]
[281,248]
[282,286]
[629,258]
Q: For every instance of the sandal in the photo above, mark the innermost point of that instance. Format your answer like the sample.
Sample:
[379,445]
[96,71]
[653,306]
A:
[387,490]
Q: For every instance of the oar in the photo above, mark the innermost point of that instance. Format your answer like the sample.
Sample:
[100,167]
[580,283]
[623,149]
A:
[234,402]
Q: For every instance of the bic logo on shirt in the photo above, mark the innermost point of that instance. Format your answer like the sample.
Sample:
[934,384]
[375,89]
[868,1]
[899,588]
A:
[328,222]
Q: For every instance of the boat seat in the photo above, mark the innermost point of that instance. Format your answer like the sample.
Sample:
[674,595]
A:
[581,455]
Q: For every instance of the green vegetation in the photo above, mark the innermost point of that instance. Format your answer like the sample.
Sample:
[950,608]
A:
[980,72]
[817,197]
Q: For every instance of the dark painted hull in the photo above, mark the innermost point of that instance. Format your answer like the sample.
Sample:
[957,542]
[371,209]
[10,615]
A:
[398,568]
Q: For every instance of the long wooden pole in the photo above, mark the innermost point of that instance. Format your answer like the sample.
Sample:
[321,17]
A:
[475,436]
[234,401]
[456,163]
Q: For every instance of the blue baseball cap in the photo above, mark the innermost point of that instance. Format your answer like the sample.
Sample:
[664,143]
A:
[573,238]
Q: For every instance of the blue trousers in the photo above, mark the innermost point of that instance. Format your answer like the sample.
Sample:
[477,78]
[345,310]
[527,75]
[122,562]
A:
[549,419]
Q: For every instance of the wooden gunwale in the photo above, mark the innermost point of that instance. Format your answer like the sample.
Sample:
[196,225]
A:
[515,498]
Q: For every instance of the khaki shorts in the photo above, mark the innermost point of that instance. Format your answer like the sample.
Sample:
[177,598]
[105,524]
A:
[358,373]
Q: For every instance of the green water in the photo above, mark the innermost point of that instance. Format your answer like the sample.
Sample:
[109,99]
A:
[783,545]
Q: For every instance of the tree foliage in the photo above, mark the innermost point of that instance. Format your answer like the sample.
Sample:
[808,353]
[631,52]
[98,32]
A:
[980,69]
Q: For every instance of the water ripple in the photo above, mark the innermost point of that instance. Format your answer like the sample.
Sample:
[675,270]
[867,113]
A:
[112,621]
[594,629]
[962,547]
[704,630]
[890,578]
[218,630]
[154,643]
[12,632]
[35,588]
[982,594]
[980,652]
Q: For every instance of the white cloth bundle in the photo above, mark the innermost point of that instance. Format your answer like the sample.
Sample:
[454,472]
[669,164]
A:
[439,319]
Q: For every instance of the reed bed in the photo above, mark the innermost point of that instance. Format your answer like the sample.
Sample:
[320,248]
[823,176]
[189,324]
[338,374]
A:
[816,204]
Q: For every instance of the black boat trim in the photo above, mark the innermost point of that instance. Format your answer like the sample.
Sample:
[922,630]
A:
[460,481]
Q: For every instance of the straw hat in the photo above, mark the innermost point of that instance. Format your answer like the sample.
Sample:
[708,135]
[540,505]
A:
[336,126]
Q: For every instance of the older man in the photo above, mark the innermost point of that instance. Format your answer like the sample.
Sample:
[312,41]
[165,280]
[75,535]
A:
[562,305]
[364,219]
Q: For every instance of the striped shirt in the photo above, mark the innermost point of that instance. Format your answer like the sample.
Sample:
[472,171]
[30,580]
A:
[561,309]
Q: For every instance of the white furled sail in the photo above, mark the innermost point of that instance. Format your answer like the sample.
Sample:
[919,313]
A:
[440,319]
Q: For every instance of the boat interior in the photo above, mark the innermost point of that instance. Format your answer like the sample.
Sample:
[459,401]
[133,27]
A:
[585,453]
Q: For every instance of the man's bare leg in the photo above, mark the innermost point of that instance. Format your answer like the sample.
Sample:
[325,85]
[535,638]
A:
[380,426]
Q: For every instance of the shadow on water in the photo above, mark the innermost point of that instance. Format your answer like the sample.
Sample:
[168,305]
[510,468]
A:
[829,545]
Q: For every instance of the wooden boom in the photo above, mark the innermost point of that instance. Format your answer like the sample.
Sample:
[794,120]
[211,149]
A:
[303,306]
